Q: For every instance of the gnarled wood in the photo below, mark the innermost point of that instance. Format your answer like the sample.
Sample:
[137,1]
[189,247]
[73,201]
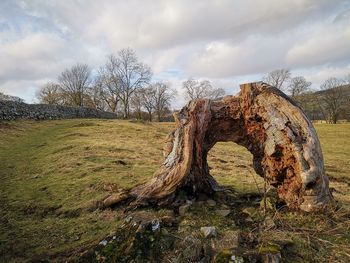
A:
[261,118]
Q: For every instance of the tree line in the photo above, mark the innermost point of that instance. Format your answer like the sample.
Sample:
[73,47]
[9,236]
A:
[330,103]
[123,85]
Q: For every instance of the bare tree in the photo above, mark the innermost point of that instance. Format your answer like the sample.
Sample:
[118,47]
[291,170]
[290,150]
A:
[128,75]
[298,85]
[50,93]
[148,95]
[137,103]
[109,83]
[217,93]
[332,99]
[277,78]
[162,97]
[201,89]
[95,96]
[309,103]
[74,82]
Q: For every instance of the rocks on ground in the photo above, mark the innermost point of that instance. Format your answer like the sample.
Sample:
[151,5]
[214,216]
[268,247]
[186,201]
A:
[223,212]
[147,235]
[209,231]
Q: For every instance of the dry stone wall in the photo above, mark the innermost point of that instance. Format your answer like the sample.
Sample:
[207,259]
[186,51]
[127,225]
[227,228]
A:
[11,110]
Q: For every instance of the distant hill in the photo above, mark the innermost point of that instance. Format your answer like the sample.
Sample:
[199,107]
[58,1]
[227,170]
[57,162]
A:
[345,89]
[330,105]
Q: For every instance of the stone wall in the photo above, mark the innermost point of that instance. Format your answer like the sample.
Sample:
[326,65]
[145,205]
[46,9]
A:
[11,110]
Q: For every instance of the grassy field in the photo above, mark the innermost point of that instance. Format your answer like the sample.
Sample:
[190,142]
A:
[53,172]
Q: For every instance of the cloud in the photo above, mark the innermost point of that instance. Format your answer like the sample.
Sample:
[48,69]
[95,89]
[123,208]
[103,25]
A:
[328,45]
[165,23]
[224,59]
[30,57]
[25,89]
[317,43]
[224,40]
[318,75]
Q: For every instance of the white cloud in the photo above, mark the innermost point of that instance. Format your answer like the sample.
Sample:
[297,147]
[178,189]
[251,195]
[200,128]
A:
[35,55]
[319,75]
[224,40]
[328,44]
[24,89]
[252,56]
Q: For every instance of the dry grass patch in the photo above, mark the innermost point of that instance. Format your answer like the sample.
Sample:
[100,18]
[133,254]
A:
[53,172]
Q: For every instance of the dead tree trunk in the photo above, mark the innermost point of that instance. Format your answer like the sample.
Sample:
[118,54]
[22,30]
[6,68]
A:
[261,118]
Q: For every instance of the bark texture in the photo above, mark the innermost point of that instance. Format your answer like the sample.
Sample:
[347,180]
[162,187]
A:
[272,127]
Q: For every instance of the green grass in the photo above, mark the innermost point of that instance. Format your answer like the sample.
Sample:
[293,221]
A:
[232,165]
[53,172]
[336,148]
[335,143]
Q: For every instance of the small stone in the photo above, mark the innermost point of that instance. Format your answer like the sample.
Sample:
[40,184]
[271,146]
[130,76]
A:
[103,242]
[249,220]
[223,212]
[128,219]
[237,259]
[270,252]
[155,225]
[272,258]
[189,202]
[183,209]
[209,231]
[211,202]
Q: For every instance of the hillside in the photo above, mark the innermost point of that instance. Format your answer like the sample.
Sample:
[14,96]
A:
[326,104]
[54,172]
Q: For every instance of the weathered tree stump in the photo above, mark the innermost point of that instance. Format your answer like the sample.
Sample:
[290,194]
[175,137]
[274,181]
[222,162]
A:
[283,142]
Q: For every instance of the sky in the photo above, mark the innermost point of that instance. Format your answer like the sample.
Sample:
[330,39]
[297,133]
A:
[225,41]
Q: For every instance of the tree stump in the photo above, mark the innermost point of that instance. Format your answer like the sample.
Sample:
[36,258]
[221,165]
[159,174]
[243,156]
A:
[283,142]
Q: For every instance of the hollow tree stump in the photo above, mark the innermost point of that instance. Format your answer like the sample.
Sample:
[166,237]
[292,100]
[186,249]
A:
[283,142]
